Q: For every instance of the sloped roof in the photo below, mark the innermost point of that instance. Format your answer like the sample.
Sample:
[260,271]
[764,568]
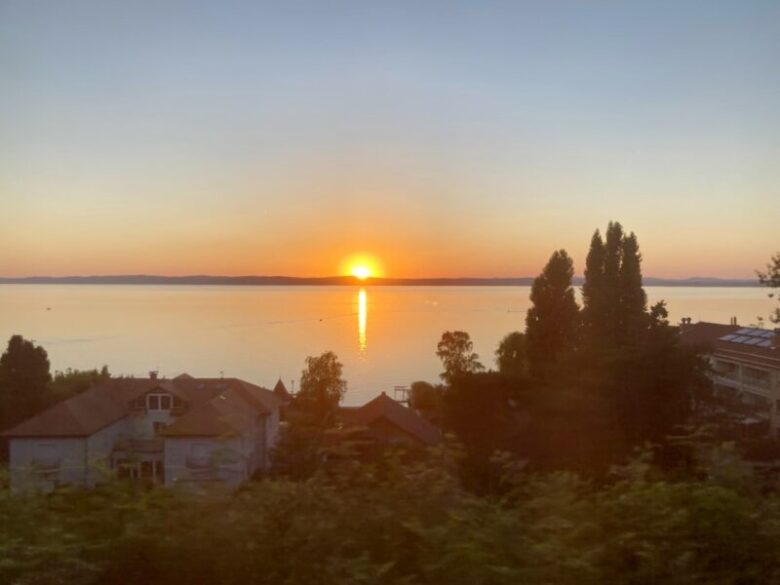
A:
[384,407]
[708,335]
[109,401]
[280,390]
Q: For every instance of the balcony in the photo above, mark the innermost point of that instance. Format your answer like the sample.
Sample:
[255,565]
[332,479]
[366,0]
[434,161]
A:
[140,446]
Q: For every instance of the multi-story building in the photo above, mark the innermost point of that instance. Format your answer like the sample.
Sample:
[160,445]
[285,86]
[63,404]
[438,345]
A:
[745,363]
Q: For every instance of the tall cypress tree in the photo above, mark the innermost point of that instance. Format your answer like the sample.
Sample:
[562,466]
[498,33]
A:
[593,315]
[613,257]
[552,322]
[633,300]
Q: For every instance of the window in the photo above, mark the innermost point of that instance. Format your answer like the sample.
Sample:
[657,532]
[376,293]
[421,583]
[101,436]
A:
[147,469]
[46,460]
[159,401]
[127,469]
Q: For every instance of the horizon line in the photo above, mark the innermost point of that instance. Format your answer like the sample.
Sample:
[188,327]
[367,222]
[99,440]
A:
[339,279]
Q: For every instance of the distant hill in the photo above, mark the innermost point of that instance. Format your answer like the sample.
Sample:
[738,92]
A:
[143,279]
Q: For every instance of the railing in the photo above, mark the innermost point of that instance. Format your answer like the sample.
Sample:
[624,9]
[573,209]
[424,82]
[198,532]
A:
[762,383]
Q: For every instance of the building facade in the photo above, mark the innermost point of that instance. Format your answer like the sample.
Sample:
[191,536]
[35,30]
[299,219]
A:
[745,364]
[180,431]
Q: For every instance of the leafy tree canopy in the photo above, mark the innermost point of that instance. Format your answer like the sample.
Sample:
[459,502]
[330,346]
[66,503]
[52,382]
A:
[455,350]
[511,354]
[322,387]
[771,278]
[424,397]
[24,380]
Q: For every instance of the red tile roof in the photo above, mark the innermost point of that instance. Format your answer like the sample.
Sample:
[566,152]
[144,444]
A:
[384,407]
[109,401]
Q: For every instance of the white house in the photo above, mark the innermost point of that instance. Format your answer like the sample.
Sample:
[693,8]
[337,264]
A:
[174,431]
[745,362]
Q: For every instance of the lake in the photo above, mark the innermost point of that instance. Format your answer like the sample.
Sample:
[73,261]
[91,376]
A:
[385,336]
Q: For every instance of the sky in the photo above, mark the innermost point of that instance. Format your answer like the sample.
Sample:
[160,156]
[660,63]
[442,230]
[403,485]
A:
[438,138]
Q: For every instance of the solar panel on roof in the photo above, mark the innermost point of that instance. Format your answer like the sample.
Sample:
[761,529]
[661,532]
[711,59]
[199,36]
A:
[753,341]
[743,331]
[740,339]
[768,334]
[765,343]
[729,337]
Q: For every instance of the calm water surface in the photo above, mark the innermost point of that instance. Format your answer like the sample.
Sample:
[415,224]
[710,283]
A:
[385,336]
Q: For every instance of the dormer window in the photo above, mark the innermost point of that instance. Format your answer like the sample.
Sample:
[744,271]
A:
[159,402]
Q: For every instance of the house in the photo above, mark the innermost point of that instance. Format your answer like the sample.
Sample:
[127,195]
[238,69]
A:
[745,364]
[387,421]
[172,431]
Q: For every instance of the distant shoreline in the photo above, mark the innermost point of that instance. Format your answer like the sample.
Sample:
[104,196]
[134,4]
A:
[204,280]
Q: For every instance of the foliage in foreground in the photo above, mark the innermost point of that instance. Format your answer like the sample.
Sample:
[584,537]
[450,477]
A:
[389,523]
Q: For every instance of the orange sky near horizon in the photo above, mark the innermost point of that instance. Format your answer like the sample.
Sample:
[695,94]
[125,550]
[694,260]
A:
[497,247]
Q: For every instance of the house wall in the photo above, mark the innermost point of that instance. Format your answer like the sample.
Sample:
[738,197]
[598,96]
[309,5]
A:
[86,461]
[99,449]
[142,422]
[271,429]
[205,459]
[755,384]
[62,458]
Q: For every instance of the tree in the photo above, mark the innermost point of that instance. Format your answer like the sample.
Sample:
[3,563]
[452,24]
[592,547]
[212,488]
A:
[321,389]
[424,397]
[24,380]
[613,256]
[632,307]
[299,450]
[511,355]
[771,279]
[477,409]
[455,351]
[71,382]
[652,384]
[552,322]
[593,297]
[614,302]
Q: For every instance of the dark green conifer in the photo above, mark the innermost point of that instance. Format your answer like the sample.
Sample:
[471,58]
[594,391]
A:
[552,322]
[593,289]
[633,300]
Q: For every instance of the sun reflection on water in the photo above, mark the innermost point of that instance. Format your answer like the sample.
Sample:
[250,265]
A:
[362,318]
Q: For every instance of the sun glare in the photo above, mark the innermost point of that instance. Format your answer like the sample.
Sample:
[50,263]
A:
[361,272]
[362,266]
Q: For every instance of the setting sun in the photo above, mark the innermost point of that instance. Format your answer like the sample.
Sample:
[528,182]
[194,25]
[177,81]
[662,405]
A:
[361,272]
[362,266]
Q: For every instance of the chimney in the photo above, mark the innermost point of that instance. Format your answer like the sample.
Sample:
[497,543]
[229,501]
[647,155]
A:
[153,374]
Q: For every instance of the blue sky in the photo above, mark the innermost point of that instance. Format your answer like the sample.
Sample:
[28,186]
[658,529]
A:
[443,138]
